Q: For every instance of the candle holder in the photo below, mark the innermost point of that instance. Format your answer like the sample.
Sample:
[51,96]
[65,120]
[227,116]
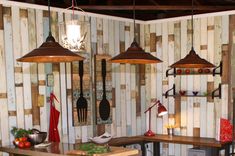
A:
[161,111]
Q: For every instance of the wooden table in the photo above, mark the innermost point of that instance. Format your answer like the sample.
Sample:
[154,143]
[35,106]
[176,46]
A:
[58,149]
[211,143]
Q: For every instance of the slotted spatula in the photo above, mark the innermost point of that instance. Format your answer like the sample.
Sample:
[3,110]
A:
[104,107]
[81,102]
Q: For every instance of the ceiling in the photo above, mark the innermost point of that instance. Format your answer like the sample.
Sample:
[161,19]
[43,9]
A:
[145,9]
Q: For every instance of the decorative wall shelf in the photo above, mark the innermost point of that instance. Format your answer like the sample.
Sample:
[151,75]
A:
[216,71]
[213,94]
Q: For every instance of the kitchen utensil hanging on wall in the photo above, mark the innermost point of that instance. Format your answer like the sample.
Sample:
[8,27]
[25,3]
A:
[104,107]
[81,102]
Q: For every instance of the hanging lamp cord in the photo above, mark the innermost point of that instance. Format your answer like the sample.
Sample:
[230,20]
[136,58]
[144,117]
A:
[49,15]
[134,18]
[192,23]
[73,8]
[50,38]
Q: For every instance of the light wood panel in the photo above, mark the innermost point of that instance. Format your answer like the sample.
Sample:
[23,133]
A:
[133,87]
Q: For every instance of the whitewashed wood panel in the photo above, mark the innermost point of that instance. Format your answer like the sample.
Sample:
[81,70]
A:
[189,86]
[111,50]
[18,75]
[11,99]
[4,124]
[141,124]
[123,101]
[217,59]
[210,43]
[64,110]
[41,73]
[183,49]
[210,120]
[225,29]
[147,80]
[203,54]
[71,130]
[153,81]
[197,45]
[224,101]
[117,73]
[100,32]
[164,68]
[159,74]
[128,79]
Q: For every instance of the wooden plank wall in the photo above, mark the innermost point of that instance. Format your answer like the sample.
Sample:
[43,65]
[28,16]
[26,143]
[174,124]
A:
[24,91]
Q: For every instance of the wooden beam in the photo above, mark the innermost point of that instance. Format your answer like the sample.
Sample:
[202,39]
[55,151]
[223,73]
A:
[92,1]
[154,7]
[154,2]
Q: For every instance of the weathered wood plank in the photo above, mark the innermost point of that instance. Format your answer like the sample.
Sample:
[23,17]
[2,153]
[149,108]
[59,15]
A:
[33,67]
[165,65]
[18,76]
[11,97]
[210,42]
[183,80]
[217,59]
[41,74]
[64,110]
[128,83]
[153,76]
[3,87]
[159,73]
[203,89]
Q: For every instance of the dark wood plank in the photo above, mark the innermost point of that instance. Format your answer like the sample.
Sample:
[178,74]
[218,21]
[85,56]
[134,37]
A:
[210,88]
[1,17]
[35,108]
[177,112]
[155,7]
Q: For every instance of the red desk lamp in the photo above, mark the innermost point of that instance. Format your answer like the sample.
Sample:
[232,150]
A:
[161,111]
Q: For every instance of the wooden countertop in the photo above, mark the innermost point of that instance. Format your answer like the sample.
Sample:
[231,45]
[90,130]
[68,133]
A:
[197,141]
[58,149]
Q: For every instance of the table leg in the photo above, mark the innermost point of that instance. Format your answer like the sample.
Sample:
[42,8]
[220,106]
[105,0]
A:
[156,148]
[142,144]
[227,148]
[215,151]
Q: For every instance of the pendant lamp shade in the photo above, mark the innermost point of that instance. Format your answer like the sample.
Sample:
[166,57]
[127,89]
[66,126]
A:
[192,60]
[50,52]
[135,55]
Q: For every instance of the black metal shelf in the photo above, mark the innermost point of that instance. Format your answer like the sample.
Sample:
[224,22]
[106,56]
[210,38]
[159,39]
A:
[216,71]
[215,93]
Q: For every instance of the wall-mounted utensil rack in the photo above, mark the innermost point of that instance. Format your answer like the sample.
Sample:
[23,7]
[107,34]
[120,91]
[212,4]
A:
[216,71]
[172,93]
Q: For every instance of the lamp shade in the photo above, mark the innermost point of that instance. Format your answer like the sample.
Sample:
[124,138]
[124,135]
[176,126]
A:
[161,110]
[135,55]
[192,60]
[50,52]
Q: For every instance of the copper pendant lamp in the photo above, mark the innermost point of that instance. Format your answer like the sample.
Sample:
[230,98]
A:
[50,51]
[192,60]
[135,54]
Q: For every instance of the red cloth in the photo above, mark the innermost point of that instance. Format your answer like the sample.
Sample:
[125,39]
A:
[226,130]
[54,119]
